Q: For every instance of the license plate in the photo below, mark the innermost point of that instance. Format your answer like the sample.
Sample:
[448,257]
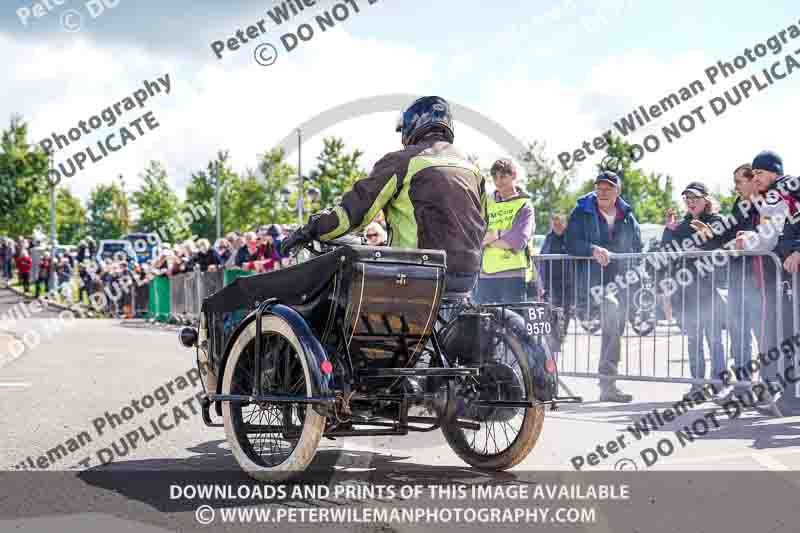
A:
[537,320]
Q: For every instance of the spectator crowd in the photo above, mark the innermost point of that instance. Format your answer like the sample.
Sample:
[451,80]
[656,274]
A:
[765,218]
[28,262]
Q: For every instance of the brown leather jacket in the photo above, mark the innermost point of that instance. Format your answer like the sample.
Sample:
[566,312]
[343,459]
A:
[432,196]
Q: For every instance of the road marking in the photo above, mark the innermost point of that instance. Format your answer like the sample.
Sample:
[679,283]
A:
[768,462]
[15,385]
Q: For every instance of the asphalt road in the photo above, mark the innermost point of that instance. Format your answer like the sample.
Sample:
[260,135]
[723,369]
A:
[83,374]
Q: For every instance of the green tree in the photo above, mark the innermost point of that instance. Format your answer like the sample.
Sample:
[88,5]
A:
[649,195]
[247,202]
[336,171]
[278,174]
[159,205]
[201,191]
[70,217]
[108,210]
[547,183]
[23,174]
[725,200]
[36,213]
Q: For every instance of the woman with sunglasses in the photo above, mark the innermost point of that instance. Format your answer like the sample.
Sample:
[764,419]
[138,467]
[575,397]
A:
[695,303]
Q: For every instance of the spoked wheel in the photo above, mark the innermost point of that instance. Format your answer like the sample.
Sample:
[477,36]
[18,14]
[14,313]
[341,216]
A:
[506,434]
[270,441]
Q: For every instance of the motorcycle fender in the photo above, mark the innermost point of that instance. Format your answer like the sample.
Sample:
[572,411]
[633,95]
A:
[312,349]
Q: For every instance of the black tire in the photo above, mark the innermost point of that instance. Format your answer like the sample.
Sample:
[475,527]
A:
[280,343]
[530,420]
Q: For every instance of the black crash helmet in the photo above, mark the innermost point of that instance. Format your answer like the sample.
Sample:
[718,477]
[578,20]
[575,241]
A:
[424,115]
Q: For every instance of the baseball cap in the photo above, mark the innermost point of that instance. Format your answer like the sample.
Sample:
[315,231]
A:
[696,188]
[608,177]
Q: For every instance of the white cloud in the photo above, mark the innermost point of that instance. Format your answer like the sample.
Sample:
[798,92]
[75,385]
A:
[233,104]
[567,116]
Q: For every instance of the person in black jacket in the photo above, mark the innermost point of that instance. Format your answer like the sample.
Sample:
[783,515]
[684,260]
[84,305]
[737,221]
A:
[222,252]
[745,301]
[83,252]
[695,302]
[205,256]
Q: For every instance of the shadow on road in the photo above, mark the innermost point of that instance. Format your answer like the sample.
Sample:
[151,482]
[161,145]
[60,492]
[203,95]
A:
[149,481]
[765,432]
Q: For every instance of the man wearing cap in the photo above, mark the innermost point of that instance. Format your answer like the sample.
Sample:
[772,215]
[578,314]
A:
[777,231]
[602,223]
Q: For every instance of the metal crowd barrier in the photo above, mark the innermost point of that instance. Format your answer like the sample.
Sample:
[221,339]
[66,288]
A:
[660,318]
[141,299]
[177,298]
[184,294]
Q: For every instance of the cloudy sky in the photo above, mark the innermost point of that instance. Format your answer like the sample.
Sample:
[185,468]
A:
[559,71]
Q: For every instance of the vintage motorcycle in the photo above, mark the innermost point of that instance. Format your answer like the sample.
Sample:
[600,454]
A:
[345,343]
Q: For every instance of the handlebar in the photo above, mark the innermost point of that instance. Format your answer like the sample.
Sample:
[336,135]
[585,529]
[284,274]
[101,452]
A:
[317,247]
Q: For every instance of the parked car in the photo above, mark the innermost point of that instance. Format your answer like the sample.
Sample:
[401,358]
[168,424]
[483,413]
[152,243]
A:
[146,246]
[115,249]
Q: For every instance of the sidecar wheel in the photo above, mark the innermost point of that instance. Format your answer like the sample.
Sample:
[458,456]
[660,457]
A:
[271,442]
[518,429]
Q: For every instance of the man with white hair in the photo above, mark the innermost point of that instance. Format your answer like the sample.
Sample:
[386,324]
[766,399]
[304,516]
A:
[601,224]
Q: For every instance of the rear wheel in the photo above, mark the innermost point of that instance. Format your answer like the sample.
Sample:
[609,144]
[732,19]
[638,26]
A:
[270,441]
[506,434]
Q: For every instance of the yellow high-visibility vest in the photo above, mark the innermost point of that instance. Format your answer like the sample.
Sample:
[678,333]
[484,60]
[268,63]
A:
[500,216]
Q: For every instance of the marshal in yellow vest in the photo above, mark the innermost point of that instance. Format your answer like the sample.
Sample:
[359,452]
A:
[500,217]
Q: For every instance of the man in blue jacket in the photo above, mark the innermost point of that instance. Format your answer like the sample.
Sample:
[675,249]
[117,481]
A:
[601,224]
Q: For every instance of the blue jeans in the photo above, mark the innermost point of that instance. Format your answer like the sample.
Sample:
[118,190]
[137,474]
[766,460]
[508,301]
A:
[698,326]
[742,318]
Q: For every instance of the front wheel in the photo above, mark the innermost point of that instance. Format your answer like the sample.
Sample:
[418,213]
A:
[506,435]
[270,441]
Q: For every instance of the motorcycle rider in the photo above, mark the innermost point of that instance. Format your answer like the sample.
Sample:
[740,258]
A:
[432,197]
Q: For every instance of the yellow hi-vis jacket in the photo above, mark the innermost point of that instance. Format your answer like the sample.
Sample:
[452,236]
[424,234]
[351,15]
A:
[500,217]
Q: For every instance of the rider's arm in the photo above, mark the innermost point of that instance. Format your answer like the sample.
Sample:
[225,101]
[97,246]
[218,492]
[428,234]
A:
[361,204]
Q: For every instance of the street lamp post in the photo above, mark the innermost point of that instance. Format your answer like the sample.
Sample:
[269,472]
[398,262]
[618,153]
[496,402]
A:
[301,196]
[216,196]
[52,179]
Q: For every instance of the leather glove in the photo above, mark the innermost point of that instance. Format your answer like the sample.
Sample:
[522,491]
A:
[296,239]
